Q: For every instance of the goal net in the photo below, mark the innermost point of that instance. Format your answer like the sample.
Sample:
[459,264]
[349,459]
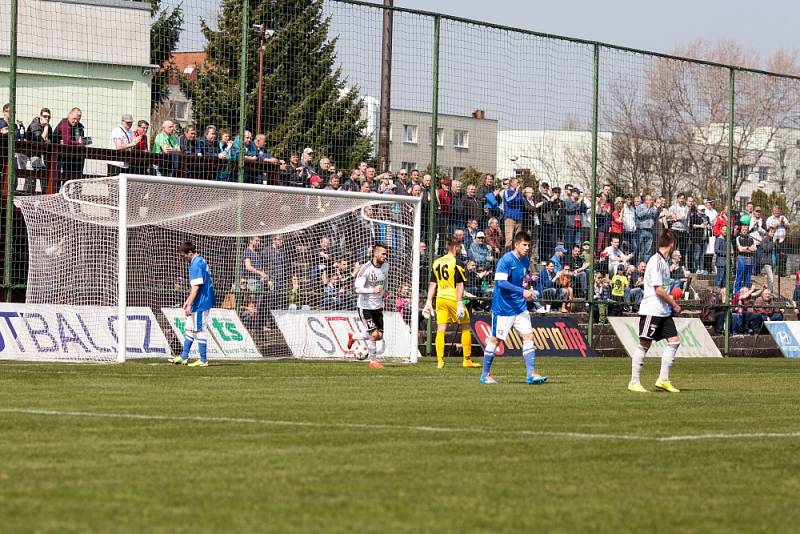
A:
[283,262]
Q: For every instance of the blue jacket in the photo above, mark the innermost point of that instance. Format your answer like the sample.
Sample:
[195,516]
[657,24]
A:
[545,282]
[721,251]
[480,253]
[512,204]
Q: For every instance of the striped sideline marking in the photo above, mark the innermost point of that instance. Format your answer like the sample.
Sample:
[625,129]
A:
[432,429]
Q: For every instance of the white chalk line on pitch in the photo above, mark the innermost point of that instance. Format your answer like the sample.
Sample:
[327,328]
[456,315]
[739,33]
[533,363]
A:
[411,428]
[197,374]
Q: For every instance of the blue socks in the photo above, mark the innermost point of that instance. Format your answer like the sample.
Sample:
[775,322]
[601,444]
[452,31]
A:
[488,357]
[529,355]
[202,346]
[187,346]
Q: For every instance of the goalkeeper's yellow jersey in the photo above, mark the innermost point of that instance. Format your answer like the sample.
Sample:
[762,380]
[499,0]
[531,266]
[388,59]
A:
[447,274]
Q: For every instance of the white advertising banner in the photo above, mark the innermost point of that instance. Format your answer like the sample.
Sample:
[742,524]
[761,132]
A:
[323,334]
[786,334]
[227,336]
[51,332]
[695,340]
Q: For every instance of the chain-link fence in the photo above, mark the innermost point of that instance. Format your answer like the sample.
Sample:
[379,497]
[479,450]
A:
[590,148]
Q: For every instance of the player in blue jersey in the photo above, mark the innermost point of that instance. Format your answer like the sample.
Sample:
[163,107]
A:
[196,307]
[510,309]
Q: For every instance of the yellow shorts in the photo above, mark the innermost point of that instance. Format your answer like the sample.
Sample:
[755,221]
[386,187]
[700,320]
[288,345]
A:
[446,313]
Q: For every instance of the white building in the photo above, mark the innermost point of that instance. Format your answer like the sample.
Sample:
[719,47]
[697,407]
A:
[462,141]
[557,157]
[91,54]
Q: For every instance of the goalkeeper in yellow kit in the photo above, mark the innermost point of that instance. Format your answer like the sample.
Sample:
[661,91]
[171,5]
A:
[448,288]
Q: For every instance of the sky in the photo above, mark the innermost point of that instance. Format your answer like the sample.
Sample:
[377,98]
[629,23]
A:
[522,81]
[650,25]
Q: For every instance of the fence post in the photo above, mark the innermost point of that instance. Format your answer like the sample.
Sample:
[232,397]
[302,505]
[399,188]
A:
[729,229]
[593,199]
[434,153]
[11,173]
[242,148]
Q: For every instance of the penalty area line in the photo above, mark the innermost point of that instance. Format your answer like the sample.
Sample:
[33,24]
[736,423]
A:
[408,428]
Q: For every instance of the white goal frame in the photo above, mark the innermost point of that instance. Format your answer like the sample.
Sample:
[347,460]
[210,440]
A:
[122,228]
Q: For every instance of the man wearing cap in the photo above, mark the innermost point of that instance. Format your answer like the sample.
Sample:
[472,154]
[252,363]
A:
[122,138]
[558,257]
[481,252]
[307,161]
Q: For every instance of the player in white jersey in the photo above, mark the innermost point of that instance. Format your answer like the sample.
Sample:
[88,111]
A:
[655,316]
[370,285]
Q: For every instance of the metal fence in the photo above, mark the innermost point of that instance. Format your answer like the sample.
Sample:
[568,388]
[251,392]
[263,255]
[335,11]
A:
[604,142]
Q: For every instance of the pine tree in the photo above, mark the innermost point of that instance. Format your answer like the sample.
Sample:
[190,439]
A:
[165,30]
[305,102]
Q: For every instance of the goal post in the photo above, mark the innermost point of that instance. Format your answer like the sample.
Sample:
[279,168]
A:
[152,215]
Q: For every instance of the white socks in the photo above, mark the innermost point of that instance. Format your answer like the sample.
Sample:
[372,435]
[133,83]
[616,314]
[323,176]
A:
[371,348]
[637,362]
[667,359]
[361,335]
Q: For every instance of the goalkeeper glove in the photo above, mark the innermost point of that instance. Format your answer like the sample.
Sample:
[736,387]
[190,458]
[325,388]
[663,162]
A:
[461,310]
[427,311]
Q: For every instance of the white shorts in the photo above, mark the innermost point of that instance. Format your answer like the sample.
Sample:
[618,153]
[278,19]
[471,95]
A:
[502,325]
[198,322]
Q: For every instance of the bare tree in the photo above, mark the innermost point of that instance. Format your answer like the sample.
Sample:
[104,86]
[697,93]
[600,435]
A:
[667,120]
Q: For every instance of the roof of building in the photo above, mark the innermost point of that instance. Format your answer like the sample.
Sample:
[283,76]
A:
[187,64]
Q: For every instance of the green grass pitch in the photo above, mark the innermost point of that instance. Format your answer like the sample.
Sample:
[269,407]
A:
[336,447]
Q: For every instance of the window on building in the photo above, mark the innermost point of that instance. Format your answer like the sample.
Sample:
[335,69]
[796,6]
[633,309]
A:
[522,173]
[461,138]
[797,174]
[457,172]
[743,172]
[686,166]
[797,143]
[439,136]
[179,110]
[408,165]
[763,173]
[410,133]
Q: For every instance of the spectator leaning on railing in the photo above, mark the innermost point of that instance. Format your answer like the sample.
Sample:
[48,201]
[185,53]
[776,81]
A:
[39,128]
[122,138]
[71,132]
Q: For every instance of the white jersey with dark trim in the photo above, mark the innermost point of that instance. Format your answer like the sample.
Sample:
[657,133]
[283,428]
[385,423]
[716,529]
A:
[656,274]
[369,277]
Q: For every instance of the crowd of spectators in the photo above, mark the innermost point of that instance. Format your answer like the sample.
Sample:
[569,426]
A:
[485,215]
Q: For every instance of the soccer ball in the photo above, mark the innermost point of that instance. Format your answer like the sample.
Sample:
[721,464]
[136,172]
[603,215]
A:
[360,351]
